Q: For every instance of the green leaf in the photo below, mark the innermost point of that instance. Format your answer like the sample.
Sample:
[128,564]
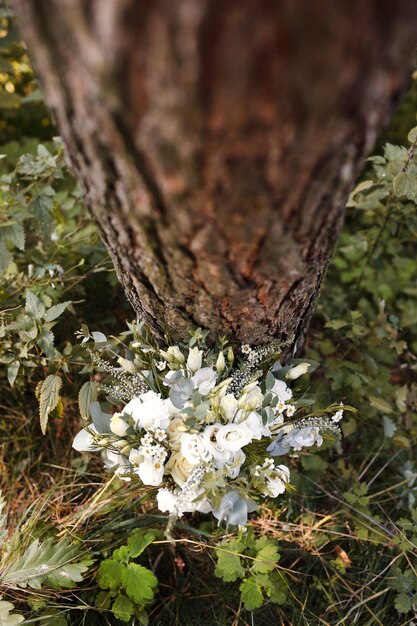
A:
[405,185]
[123,608]
[138,542]
[412,135]
[49,397]
[278,589]
[55,311]
[380,404]
[50,563]
[335,324]
[403,603]
[267,556]
[12,372]
[251,594]
[88,395]
[33,305]
[110,574]
[7,618]
[139,583]
[229,566]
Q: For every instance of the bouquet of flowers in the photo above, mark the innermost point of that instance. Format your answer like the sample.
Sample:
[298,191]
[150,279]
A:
[206,425]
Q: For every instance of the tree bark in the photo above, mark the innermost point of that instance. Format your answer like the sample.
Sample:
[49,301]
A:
[217,140]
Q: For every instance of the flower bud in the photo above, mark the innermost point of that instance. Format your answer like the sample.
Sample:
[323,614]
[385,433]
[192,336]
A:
[230,355]
[118,426]
[220,363]
[176,353]
[194,359]
[297,371]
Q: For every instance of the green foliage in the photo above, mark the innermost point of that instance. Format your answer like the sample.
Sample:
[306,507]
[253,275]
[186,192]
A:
[49,564]
[48,398]
[130,586]
[253,560]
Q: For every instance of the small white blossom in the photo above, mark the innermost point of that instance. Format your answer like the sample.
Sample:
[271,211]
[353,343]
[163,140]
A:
[290,410]
[246,349]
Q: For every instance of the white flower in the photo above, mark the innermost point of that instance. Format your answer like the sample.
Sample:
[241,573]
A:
[233,437]
[297,371]
[167,501]
[150,411]
[176,353]
[175,430]
[251,398]
[160,365]
[281,390]
[151,472]
[338,415]
[281,406]
[234,463]
[228,406]
[204,380]
[220,363]
[290,410]
[118,425]
[193,449]
[179,468]
[84,441]
[254,423]
[246,349]
[210,441]
[160,435]
[305,437]
[277,483]
[195,358]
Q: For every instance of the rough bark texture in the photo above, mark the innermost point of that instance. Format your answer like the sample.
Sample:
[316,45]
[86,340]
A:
[217,140]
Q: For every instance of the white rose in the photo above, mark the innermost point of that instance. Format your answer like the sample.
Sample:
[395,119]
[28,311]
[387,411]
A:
[228,406]
[150,411]
[233,437]
[251,398]
[195,357]
[210,441]
[297,371]
[179,468]
[204,380]
[176,429]
[118,426]
[281,390]
[151,472]
[193,449]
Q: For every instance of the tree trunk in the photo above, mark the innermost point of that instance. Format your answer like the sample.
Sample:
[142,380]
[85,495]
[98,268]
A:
[216,141]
